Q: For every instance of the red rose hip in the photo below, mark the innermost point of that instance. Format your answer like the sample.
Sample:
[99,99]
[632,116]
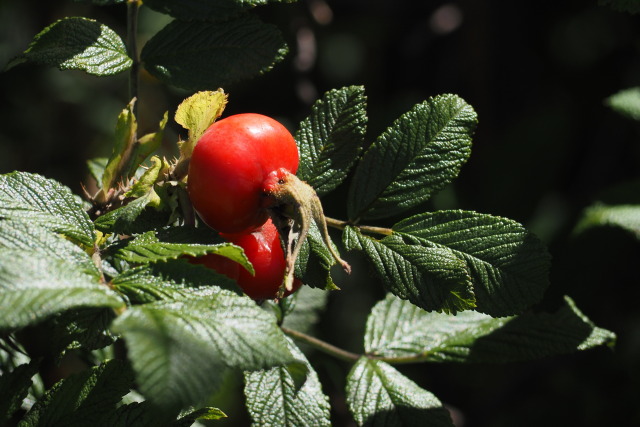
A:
[229,166]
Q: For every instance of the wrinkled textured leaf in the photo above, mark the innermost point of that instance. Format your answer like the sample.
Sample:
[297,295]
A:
[378,395]
[314,263]
[24,236]
[196,114]
[430,277]
[176,242]
[135,217]
[83,398]
[631,6]
[401,331]
[14,387]
[79,44]
[33,287]
[168,280]
[181,349]
[417,156]
[86,328]
[509,266]
[331,138]
[626,217]
[274,399]
[206,10]
[218,54]
[36,200]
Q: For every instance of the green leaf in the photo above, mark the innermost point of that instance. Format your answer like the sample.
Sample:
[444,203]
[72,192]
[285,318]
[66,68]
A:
[314,264]
[207,413]
[167,281]
[23,236]
[196,114]
[273,397]
[218,54]
[307,303]
[401,331]
[417,156]
[627,101]
[631,6]
[331,138]
[14,387]
[430,277]
[204,10]
[509,266]
[378,395]
[96,168]
[180,349]
[149,143]
[86,328]
[83,398]
[123,153]
[176,242]
[135,217]
[626,217]
[79,44]
[33,287]
[36,200]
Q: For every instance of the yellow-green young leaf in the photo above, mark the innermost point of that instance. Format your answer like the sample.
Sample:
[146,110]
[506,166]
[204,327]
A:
[123,149]
[145,184]
[399,330]
[196,114]
[149,143]
[380,396]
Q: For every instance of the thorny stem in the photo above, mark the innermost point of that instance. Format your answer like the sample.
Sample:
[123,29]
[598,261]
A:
[339,224]
[132,46]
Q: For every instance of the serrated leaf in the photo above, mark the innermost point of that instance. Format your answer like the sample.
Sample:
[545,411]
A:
[176,242]
[78,43]
[274,399]
[36,200]
[413,159]
[401,332]
[144,186]
[124,146]
[626,102]
[14,387]
[631,6]
[33,287]
[218,54]
[207,413]
[626,217]
[378,395]
[331,138]
[509,266]
[168,281]
[196,114]
[180,349]
[83,398]
[204,10]
[314,263]
[135,217]
[85,328]
[430,277]
[149,143]
[23,236]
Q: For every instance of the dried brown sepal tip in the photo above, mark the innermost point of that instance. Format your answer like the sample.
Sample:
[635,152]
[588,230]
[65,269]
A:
[293,205]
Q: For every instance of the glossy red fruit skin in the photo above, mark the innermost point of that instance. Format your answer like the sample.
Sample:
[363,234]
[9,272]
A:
[229,165]
[263,249]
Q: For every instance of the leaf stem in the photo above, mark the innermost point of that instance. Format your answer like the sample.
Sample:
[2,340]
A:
[132,46]
[339,224]
[323,346]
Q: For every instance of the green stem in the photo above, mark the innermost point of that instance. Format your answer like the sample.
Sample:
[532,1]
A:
[132,47]
[339,224]
[323,346]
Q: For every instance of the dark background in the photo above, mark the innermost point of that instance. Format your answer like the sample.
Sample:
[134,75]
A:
[545,148]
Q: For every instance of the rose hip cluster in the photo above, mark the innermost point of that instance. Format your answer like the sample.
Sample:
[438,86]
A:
[228,171]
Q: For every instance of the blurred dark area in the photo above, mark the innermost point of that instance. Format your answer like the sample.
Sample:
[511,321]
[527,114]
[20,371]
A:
[546,147]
